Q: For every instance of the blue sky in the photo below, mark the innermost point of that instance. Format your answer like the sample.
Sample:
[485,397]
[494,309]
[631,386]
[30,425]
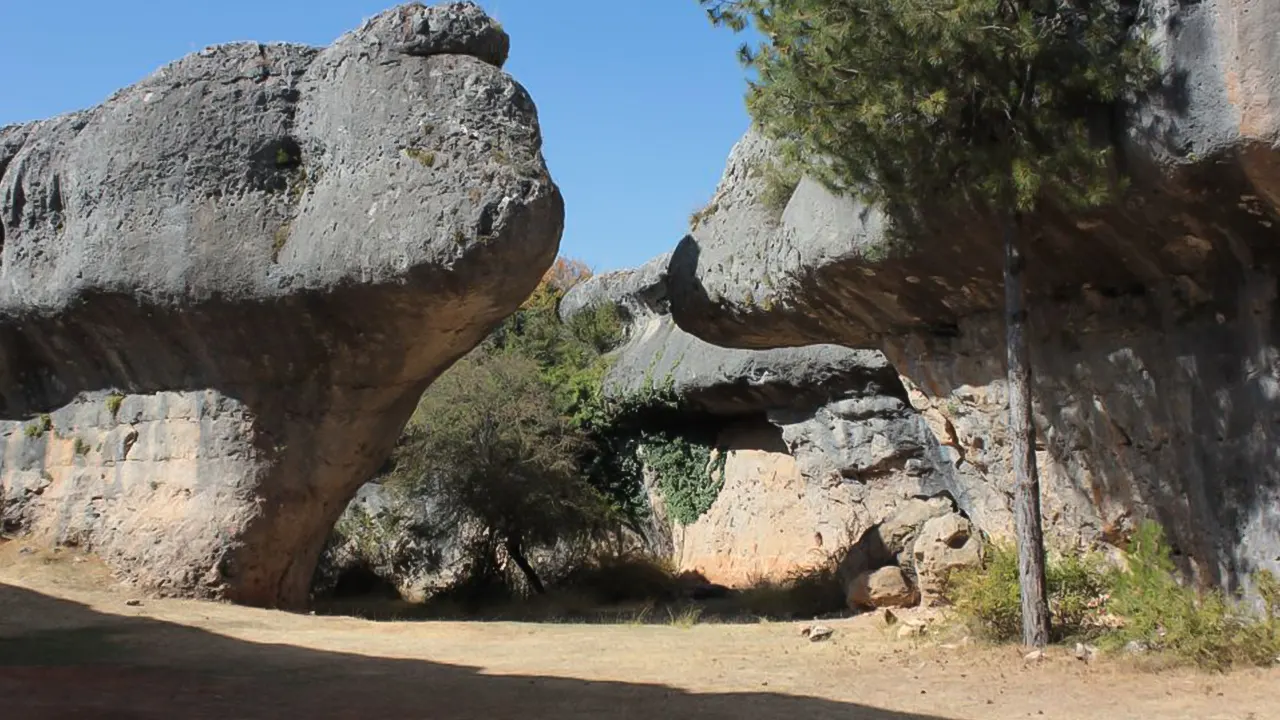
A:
[640,102]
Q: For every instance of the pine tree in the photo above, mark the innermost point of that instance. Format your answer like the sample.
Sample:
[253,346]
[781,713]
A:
[947,106]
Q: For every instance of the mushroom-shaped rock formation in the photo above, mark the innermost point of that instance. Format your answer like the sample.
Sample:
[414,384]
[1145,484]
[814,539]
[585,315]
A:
[223,290]
[821,441]
[1154,321]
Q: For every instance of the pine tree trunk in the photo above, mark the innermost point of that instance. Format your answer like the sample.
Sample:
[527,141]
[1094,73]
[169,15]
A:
[517,554]
[1026,488]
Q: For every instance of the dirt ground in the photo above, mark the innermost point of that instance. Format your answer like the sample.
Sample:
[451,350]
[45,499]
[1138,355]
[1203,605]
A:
[75,645]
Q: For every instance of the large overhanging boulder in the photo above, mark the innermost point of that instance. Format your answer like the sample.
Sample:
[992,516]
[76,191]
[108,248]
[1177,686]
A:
[223,290]
[842,414]
[1153,320]
[717,380]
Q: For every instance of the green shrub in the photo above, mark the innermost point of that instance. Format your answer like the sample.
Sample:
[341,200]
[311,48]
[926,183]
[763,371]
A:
[781,178]
[1142,605]
[114,401]
[989,599]
[615,579]
[689,474]
[1208,629]
[42,425]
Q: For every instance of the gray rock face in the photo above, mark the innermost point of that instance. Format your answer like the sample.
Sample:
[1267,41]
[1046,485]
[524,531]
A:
[858,450]
[717,380]
[295,240]
[1154,321]
[843,413]
[459,28]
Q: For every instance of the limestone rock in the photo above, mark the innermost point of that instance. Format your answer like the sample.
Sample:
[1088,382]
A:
[891,542]
[1152,321]
[822,441]
[267,251]
[883,588]
[943,545]
[458,28]
[768,520]
[717,380]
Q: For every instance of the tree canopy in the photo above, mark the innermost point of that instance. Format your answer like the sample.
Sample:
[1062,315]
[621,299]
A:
[963,101]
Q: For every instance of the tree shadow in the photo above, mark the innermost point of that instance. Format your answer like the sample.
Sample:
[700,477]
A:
[71,661]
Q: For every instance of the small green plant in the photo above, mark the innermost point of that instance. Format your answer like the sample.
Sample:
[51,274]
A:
[42,425]
[689,474]
[298,187]
[114,401]
[1208,629]
[1143,605]
[641,616]
[81,447]
[780,182]
[700,216]
[426,158]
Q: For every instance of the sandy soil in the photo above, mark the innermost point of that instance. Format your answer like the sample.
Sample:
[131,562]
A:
[74,645]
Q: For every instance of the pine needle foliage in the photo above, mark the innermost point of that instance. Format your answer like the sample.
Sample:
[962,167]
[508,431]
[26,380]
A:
[963,102]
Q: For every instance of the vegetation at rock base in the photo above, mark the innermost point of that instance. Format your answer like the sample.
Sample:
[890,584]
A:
[526,462]
[1141,606]
[934,108]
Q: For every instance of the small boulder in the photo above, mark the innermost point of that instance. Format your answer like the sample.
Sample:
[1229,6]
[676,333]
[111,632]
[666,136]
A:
[886,587]
[944,544]
[458,28]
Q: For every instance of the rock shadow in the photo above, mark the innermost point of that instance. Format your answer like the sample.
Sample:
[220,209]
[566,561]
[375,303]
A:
[78,662]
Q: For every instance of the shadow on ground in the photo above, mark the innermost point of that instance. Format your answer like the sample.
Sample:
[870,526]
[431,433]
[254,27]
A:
[96,665]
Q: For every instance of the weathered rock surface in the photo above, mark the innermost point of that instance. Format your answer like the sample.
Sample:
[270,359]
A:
[271,251]
[717,380]
[886,587]
[385,541]
[832,445]
[892,541]
[768,520]
[944,545]
[1153,323]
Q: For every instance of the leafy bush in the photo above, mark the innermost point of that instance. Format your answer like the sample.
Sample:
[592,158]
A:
[1142,605]
[689,474]
[1208,628]
[487,444]
[989,598]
